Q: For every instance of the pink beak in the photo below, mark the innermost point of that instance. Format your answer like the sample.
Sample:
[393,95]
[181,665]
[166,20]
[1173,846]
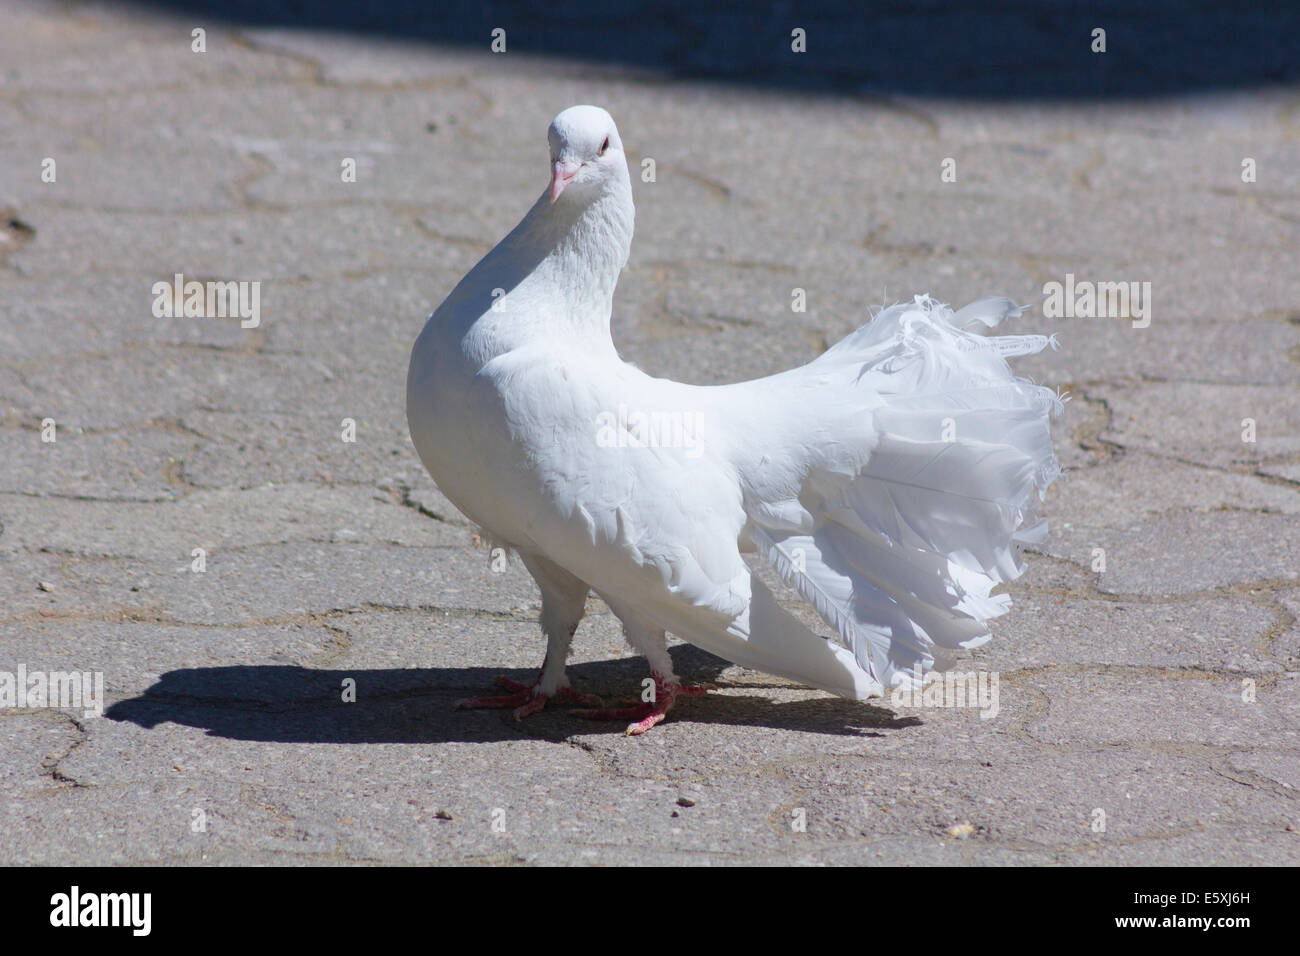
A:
[561,176]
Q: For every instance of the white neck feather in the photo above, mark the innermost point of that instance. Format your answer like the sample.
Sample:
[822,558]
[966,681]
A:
[558,269]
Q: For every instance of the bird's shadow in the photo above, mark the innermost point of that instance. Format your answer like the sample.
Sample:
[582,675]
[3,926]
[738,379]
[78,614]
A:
[291,704]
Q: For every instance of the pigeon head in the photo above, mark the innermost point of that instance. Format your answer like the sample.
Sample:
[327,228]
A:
[586,153]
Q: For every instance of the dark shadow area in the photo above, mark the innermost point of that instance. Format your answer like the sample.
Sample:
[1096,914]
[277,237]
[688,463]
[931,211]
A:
[288,704]
[1021,49]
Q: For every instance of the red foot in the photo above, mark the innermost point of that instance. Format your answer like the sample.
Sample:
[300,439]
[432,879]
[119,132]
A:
[526,699]
[646,715]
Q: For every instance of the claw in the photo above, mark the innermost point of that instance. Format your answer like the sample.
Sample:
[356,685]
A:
[646,715]
[532,706]
[526,699]
[643,717]
[641,726]
[632,712]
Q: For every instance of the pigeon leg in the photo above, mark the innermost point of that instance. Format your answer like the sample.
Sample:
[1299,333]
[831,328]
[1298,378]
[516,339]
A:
[564,600]
[564,691]
[526,699]
[521,697]
[646,715]
[653,643]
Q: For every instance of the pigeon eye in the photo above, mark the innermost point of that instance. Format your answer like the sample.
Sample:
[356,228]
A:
[603,146]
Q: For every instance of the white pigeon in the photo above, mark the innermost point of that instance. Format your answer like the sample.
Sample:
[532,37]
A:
[887,481]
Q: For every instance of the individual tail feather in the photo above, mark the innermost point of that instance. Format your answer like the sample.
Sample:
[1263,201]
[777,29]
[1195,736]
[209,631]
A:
[769,638]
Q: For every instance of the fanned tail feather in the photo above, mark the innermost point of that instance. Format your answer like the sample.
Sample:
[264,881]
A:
[904,553]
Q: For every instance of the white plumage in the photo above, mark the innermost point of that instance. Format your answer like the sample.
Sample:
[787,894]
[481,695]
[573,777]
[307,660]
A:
[889,481]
